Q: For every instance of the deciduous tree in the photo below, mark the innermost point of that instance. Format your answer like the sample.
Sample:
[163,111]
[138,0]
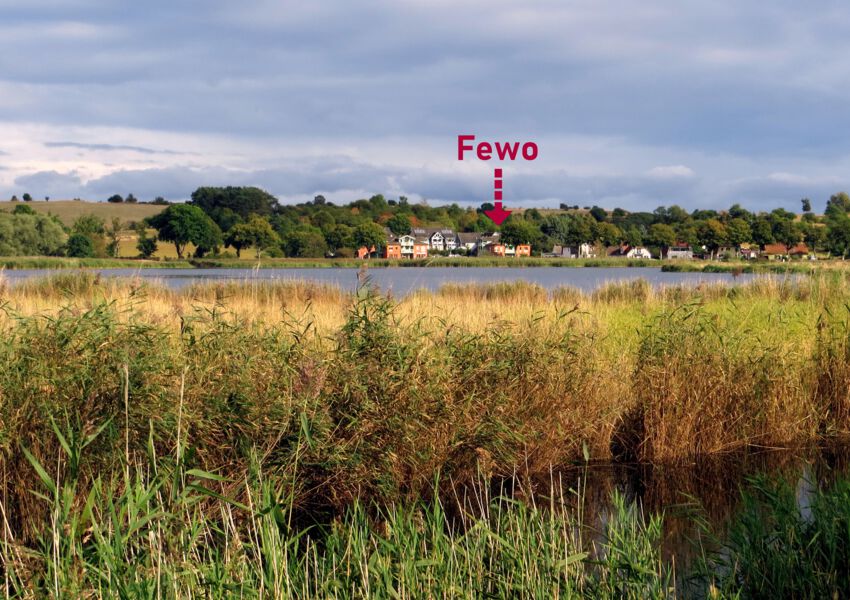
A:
[182,224]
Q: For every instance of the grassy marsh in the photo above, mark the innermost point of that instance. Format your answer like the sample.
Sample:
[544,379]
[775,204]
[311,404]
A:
[230,412]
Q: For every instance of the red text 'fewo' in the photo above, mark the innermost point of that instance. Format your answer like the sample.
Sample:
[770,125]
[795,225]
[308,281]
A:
[504,150]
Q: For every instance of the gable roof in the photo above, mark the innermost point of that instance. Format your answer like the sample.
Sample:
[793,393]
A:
[468,237]
[429,231]
[775,249]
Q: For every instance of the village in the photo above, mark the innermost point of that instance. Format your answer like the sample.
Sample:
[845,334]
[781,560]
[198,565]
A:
[421,243]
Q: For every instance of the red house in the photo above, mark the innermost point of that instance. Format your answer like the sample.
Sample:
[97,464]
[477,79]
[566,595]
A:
[392,250]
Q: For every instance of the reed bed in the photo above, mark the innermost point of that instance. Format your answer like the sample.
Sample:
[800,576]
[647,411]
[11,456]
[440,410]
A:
[161,529]
[358,402]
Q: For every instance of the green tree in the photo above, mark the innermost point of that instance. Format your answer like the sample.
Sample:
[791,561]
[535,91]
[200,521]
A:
[113,233]
[736,211]
[788,232]
[687,233]
[324,220]
[182,224]
[557,228]
[661,235]
[79,246]
[532,214]
[26,234]
[115,199]
[807,205]
[369,235]
[341,236]
[257,232]
[632,236]
[305,243]
[837,204]
[515,231]
[243,201]
[399,224]
[838,234]
[570,229]
[762,231]
[27,198]
[815,236]
[608,234]
[23,209]
[238,237]
[738,232]
[711,233]
[145,244]
[838,224]
[131,199]
[94,228]
[598,213]
[677,214]
[378,203]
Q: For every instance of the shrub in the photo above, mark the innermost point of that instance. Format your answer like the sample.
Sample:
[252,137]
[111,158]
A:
[79,246]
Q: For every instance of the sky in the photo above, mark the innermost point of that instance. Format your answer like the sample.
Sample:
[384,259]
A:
[632,104]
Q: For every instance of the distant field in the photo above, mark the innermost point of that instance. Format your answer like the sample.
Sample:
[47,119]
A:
[69,210]
[127,246]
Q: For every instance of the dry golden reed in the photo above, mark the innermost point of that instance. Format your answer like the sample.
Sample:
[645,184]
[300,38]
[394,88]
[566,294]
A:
[359,396]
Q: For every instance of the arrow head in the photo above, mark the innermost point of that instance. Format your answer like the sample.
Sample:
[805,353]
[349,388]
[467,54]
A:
[498,214]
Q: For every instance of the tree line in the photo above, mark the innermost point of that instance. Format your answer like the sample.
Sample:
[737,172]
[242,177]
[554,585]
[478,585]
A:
[241,218]
[235,219]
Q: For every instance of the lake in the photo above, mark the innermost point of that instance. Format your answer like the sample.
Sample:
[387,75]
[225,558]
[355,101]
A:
[708,487]
[401,281]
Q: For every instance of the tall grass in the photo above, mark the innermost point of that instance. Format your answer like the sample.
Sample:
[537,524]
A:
[782,546]
[61,262]
[160,529]
[336,407]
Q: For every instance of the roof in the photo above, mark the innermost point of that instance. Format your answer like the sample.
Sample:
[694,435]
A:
[617,250]
[429,231]
[775,249]
[468,237]
[800,248]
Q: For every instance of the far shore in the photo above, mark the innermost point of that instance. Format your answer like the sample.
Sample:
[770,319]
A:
[52,263]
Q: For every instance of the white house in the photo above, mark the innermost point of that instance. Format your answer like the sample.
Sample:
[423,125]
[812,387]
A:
[406,242]
[638,252]
[679,251]
[581,251]
[438,239]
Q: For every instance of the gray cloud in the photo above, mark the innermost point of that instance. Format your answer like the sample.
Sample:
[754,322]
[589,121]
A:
[343,179]
[762,85]
[50,183]
[107,147]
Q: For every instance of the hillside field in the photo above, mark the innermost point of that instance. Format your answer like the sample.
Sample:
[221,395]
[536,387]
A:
[69,210]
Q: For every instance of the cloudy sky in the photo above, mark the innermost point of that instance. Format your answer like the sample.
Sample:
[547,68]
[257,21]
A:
[632,103]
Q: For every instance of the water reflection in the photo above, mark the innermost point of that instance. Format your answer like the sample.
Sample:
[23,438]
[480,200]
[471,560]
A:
[706,493]
[402,281]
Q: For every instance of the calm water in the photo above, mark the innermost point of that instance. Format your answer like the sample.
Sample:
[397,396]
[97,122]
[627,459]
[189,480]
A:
[403,280]
[708,488]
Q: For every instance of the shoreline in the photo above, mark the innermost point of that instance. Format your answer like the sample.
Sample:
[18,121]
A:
[679,266]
